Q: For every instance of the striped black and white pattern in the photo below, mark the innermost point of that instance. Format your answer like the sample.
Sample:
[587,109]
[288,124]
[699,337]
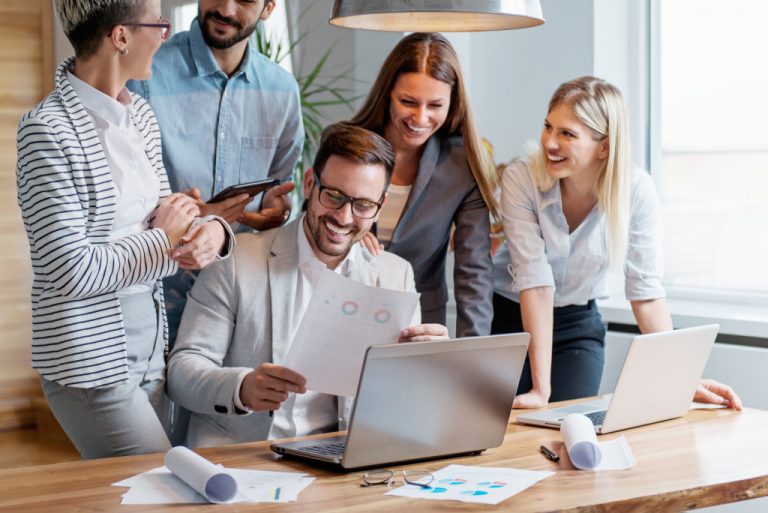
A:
[67,199]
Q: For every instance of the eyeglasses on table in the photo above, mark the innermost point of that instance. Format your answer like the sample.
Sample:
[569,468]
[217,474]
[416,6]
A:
[385,476]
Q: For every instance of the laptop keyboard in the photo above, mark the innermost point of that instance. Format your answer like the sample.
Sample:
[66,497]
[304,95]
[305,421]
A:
[334,449]
[597,417]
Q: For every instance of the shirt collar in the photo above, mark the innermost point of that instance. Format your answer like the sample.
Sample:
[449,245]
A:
[306,254]
[113,111]
[203,56]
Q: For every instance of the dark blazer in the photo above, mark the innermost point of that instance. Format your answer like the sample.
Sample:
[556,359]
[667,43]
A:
[445,194]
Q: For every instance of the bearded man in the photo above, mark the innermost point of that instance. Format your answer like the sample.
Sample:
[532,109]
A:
[242,313]
[227,115]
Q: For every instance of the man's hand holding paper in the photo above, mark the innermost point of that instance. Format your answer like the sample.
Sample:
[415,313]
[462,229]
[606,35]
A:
[343,319]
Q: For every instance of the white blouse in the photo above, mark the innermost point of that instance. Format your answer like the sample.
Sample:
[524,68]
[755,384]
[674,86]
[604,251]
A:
[397,197]
[542,252]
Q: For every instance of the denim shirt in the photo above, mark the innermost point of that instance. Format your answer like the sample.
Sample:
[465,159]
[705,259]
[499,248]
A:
[541,252]
[216,130]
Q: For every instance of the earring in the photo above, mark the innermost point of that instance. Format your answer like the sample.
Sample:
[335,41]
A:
[124,51]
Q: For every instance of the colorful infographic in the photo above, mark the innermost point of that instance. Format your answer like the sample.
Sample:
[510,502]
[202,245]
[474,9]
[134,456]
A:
[474,484]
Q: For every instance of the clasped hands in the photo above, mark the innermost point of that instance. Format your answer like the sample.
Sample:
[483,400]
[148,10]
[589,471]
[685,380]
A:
[193,246]
[268,385]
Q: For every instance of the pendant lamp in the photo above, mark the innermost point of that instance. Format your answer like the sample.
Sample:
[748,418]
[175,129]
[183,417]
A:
[436,15]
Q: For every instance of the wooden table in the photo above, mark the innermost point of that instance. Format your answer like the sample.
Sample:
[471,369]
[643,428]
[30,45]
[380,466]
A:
[706,458]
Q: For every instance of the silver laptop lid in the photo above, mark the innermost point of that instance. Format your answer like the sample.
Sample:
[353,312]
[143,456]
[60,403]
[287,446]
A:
[657,382]
[659,377]
[429,399]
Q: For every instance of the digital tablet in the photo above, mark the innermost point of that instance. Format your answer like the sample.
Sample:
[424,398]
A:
[250,188]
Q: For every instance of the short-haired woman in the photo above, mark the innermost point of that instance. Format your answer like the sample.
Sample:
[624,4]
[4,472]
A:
[103,229]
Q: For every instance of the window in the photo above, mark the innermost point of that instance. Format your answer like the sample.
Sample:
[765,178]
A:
[712,168]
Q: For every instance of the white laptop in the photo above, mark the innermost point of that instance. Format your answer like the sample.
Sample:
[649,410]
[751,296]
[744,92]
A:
[658,381]
[424,400]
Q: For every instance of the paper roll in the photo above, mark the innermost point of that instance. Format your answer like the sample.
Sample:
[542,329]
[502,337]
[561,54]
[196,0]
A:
[580,441]
[207,479]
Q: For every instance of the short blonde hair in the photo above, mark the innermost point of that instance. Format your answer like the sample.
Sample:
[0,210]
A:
[87,22]
[600,106]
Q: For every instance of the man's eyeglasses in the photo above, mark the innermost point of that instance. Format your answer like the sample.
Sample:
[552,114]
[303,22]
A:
[335,199]
[384,476]
[163,24]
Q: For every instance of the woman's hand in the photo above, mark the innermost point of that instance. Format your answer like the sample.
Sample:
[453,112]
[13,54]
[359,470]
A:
[200,245]
[423,332]
[533,399]
[370,242]
[711,391]
[174,215]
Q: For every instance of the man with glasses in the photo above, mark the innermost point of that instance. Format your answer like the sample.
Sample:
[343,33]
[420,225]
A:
[242,313]
[227,116]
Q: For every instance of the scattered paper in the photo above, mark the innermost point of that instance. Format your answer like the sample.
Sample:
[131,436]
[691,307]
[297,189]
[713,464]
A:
[343,319]
[162,485]
[483,485]
[586,453]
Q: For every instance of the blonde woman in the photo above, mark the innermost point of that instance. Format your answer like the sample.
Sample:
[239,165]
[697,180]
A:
[570,211]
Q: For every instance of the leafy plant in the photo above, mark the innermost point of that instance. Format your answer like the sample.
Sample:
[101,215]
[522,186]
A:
[317,91]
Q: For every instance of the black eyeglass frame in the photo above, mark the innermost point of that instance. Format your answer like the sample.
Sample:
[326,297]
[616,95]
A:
[163,24]
[347,199]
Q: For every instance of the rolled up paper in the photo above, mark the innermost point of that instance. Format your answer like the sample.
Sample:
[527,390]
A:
[581,442]
[207,479]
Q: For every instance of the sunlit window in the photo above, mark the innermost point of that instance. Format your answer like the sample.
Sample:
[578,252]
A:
[713,172]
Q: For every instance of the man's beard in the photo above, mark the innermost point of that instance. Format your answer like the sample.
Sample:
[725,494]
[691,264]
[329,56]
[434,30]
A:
[214,41]
[315,228]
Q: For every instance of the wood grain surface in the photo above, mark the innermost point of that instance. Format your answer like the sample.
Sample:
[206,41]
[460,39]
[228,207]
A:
[708,457]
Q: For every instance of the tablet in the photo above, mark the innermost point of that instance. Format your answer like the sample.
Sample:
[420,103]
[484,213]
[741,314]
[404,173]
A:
[250,188]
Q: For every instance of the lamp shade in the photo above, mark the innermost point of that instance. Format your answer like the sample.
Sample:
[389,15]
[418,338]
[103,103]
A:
[436,15]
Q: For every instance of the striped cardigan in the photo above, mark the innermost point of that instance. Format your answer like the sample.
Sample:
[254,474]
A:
[67,199]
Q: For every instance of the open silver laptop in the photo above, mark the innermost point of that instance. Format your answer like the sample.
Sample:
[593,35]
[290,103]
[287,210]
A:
[657,382]
[425,400]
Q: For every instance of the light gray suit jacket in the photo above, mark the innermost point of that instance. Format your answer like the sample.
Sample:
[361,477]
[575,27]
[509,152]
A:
[235,310]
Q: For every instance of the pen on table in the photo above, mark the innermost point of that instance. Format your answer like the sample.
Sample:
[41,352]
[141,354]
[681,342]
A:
[548,453]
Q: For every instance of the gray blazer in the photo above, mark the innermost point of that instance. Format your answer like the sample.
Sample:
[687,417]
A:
[235,310]
[445,194]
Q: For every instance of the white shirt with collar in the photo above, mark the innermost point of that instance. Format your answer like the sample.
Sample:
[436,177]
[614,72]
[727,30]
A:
[542,252]
[137,187]
[311,412]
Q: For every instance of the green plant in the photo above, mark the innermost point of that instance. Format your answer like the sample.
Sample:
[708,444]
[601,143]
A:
[317,91]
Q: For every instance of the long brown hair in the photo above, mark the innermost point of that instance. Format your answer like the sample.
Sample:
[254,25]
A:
[431,53]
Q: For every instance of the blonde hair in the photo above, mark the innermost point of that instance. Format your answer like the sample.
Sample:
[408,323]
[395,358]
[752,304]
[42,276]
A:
[431,53]
[600,106]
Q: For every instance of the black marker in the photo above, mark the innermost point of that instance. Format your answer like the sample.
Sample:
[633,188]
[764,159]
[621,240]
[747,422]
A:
[547,452]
